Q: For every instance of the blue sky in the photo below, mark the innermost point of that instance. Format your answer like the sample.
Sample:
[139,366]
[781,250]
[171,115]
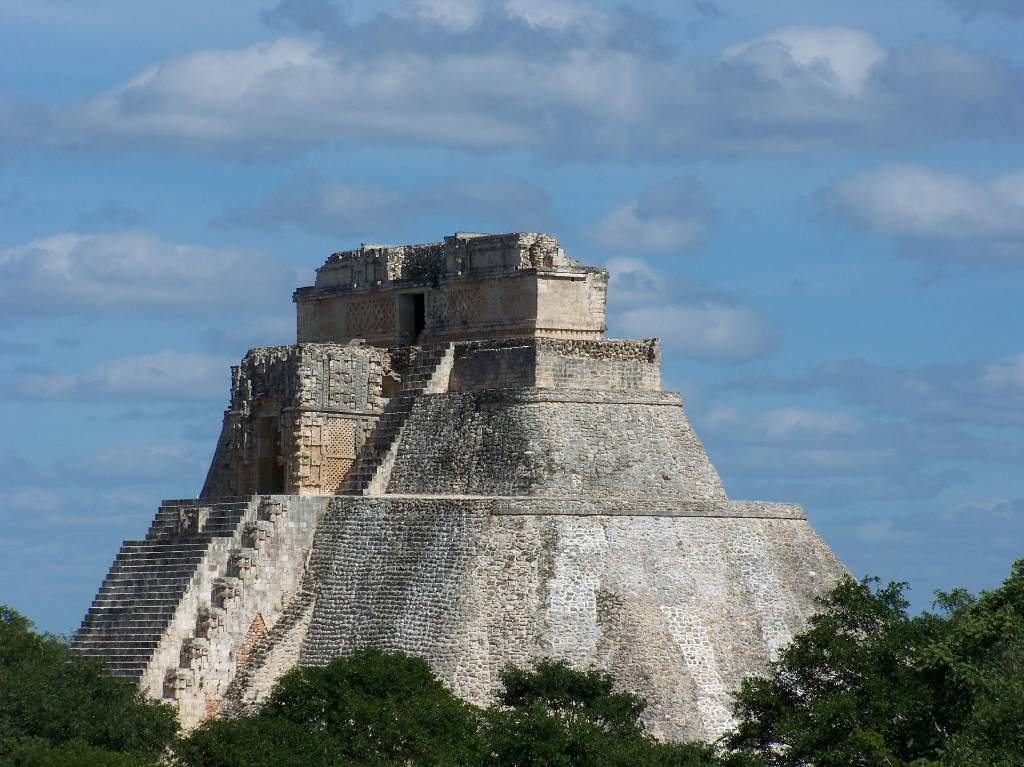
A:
[819,207]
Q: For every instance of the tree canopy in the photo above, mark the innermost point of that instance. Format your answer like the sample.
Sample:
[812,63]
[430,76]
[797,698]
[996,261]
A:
[868,684]
[57,708]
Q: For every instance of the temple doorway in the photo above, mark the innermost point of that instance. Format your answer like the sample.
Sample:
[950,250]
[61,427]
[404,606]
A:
[412,315]
[270,468]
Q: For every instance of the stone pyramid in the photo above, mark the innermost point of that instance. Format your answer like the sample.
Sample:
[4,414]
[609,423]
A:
[454,462]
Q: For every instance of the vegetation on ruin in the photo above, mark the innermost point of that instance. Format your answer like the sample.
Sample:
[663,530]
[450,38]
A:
[866,684]
[58,710]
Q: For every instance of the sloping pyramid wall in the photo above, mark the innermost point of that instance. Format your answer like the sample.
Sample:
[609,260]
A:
[496,522]
[523,523]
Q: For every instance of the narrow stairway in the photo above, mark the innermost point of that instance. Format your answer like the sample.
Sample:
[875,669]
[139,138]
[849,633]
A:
[138,598]
[428,375]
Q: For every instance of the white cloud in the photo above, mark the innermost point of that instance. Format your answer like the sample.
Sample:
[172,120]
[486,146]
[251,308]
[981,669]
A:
[1003,376]
[831,457]
[920,202]
[841,59]
[935,214]
[690,320]
[548,77]
[165,375]
[133,271]
[675,215]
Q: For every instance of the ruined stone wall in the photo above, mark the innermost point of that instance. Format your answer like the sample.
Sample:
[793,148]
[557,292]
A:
[556,363]
[571,304]
[244,584]
[552,442]
[473,286]
[678,608]
[182,610]
[320,400]
[463,253]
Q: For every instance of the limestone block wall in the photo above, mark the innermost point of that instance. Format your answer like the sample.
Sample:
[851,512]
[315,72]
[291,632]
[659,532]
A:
[522,303]
[469,308]
[556,363]
[569,304]
[679,607]
[561,443]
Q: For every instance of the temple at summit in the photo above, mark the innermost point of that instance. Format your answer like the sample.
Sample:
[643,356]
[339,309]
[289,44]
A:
[453,461]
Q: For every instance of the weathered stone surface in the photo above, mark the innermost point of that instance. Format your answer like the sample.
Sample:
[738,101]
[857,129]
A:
[530,442]
[497,485]
[470,285]
[680,608]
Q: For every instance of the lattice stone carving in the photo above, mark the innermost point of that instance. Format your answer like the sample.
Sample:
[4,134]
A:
[341,438]
[333,472]
[370,316]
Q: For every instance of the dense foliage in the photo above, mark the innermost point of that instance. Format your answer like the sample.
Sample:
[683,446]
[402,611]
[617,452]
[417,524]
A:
[382,709]
[370,708]
[555,715]
[58,709]
[866,685]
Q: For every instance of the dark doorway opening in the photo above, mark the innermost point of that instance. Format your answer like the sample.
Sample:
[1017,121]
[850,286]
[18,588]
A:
[419,316]
[412,315]
[270,470]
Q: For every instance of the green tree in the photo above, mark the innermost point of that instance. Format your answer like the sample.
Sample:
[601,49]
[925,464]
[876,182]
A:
[369,708]
[58,708]
[979,666]
[867,684]
[556,716]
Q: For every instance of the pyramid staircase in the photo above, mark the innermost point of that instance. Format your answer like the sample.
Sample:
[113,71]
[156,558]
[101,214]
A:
[138,598]
[428,375]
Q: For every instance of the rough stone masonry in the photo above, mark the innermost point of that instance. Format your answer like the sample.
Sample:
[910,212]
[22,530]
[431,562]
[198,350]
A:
[454,462]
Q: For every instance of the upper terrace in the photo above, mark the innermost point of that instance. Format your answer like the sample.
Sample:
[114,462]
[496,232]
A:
[468,286]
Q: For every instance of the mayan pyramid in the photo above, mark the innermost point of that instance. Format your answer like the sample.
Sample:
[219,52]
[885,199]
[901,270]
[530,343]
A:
[454,462]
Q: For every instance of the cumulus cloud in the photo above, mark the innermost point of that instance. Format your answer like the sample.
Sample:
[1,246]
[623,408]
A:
[690,320]
[164,375]
[675,215]
[133,271]
[785,424]
[504,204]
[935,213]
[561,78]
[841,59]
